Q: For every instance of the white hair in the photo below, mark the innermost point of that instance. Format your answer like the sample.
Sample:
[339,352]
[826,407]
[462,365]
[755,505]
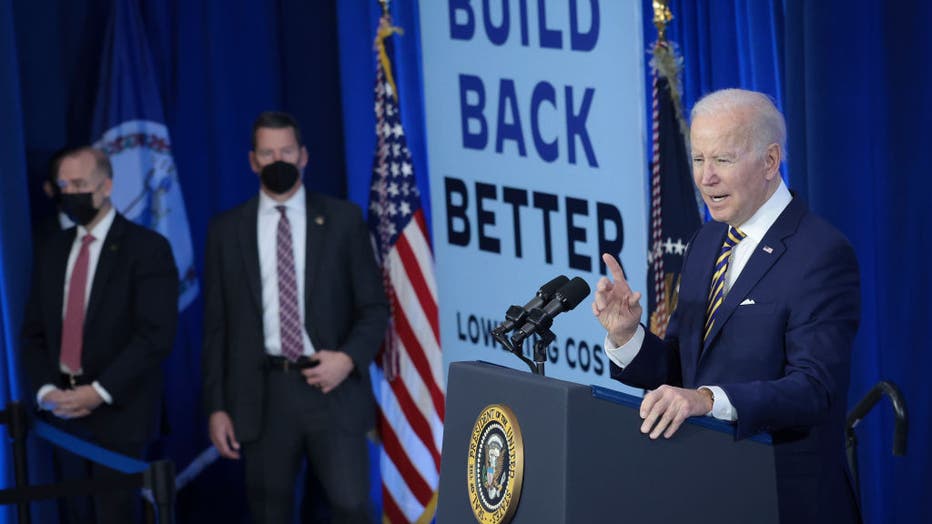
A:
[766,124]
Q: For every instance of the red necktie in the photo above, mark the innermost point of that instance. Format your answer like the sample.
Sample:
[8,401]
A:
[289,318]
[72,333]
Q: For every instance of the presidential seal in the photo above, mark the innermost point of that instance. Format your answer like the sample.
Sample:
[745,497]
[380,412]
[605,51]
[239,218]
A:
[495,465]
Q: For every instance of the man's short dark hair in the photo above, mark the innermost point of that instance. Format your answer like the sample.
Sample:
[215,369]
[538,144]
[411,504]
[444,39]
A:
[51,175]
[276,120]
[101,160]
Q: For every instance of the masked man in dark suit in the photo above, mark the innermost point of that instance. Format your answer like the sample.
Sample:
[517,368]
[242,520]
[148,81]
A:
[100,320]
[768,307]
[295,312]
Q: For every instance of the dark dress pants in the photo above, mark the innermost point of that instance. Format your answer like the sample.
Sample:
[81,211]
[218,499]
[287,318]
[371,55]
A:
[298,426]
[110,507]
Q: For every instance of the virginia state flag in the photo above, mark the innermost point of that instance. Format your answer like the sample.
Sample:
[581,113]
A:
[129,125]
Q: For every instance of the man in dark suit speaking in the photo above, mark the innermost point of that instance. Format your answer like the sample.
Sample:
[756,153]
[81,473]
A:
[295,313]
[768,307]
[100,320]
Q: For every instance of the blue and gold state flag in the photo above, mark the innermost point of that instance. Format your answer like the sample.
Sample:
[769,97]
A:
[129,125]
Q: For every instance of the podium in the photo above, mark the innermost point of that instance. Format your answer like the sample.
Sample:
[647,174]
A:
[585,459]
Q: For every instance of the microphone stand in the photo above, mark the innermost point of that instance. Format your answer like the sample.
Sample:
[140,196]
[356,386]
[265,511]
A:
[499,335]
[540,349]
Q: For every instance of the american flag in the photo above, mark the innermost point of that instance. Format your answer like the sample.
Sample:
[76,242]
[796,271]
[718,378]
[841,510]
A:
[409,375]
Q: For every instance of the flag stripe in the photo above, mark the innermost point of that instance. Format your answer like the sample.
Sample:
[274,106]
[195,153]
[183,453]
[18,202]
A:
[418,392]
[427,300]
[397,401]
[420,243]
[420,395]
[405,278]
[392,513]
[418,358]
[406,507]
[416,420]
[419,487]
[427,348]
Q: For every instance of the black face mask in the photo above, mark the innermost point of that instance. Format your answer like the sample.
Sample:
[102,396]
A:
[278,177]
[79,207]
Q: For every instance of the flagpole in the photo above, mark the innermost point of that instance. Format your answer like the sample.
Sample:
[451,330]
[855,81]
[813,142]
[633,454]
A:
[665,69]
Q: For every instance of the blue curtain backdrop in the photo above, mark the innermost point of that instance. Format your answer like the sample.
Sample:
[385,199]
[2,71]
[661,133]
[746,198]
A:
[852,78]
[14,242]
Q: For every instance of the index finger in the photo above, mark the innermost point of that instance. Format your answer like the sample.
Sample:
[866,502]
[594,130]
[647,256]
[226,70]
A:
[618,275]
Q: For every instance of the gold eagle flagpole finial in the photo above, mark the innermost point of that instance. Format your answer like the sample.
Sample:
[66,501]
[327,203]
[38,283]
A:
[662,17]
[386,29]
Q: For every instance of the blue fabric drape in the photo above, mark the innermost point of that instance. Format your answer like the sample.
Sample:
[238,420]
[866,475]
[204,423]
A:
[14,231]
[860,90]
[735,43]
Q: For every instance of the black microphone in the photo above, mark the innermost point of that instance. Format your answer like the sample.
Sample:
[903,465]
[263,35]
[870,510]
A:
[516,315]
[538,319]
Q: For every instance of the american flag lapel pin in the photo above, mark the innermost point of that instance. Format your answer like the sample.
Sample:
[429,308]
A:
[767,249]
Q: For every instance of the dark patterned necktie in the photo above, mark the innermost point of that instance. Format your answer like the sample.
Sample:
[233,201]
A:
[717,290]
[289,318]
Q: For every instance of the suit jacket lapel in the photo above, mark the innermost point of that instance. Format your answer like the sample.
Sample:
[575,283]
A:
[316,224]
[768,251]
[247,232]
[106,262]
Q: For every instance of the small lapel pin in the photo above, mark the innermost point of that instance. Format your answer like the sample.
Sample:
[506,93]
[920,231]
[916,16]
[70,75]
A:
[319,220]
[767,249]
[114,247]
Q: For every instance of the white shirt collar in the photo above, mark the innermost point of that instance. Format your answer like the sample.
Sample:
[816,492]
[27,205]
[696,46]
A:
[296,202]
[756,226]
[102,228]
[64,220]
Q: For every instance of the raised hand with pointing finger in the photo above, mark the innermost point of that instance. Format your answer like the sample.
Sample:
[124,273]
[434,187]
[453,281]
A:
[619,310]
[616,306]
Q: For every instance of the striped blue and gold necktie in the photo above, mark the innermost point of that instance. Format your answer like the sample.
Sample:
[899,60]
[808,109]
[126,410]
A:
[717,290]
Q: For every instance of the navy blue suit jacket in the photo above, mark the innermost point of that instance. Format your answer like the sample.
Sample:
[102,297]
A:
[783,360]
